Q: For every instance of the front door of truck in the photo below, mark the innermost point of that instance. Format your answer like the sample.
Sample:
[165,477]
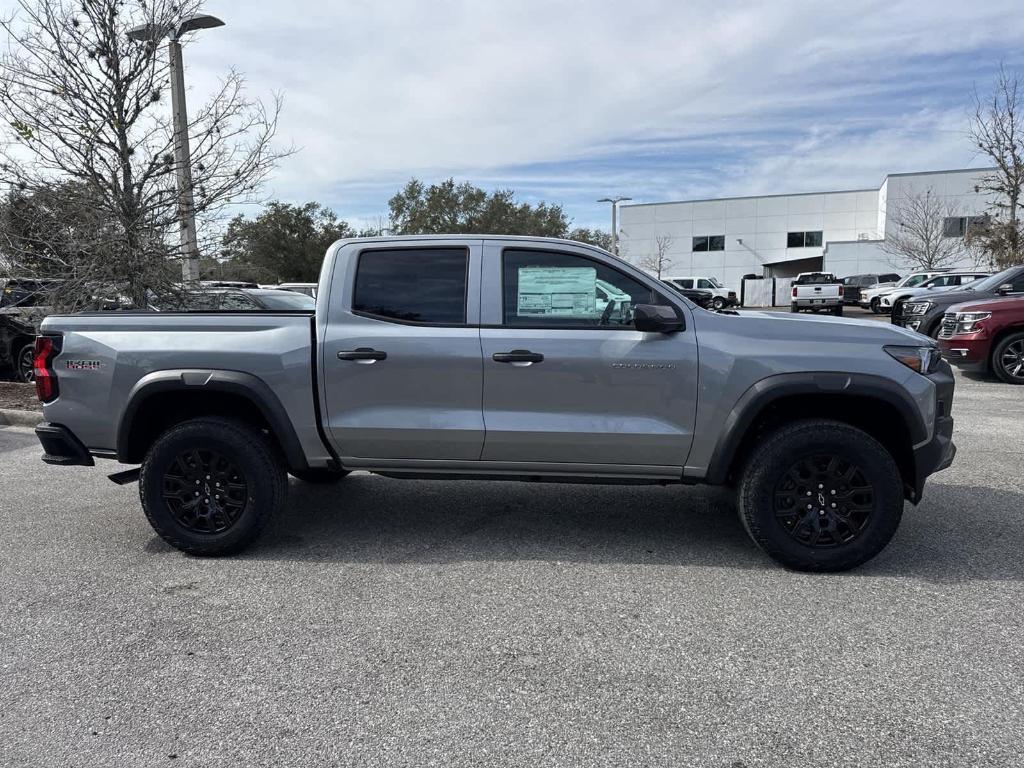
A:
[400,353]
[567,377]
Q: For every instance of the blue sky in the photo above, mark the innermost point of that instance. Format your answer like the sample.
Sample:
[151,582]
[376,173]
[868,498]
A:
[572,100]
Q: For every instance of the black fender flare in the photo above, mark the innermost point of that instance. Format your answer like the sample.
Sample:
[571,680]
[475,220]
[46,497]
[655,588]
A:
[766,391]
[245,385]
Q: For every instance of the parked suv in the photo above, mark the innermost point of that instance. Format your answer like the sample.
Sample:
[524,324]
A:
[854,284]
[986,336]
[23,303]
[871,298]
[924,314]
[722,297]
[947,281]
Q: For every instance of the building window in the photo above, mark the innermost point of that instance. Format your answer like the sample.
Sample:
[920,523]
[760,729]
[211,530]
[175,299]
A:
[803,240]
[959,226]
[709,243]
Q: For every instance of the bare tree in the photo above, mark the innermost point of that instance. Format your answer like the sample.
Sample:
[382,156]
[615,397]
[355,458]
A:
[658,262]
[921,239]
[87,106]
[997,130]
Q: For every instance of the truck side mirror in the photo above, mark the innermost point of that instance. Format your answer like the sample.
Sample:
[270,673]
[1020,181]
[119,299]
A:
[1004,289]
[657,318]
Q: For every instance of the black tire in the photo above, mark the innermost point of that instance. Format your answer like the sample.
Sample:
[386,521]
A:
[838,311]
[250,459]
[23,363]
[787,533]
[319,476]
[793,308]
[1008,359]
[876,306]
[718,303]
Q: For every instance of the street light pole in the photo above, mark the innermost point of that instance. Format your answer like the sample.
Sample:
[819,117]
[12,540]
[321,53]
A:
[183,165]
[615,224]
[179,114]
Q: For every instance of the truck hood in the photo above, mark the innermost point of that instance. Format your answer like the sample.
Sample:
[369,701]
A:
[839,328]
[946,298]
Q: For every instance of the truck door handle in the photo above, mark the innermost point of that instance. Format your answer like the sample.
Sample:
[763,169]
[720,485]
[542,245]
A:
[362,355]
[518,357]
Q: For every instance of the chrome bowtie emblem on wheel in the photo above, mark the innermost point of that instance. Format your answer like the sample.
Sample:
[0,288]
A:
[821,498]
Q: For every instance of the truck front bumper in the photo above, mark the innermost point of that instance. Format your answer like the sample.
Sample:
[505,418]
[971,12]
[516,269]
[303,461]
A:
[61,447]
[938,453]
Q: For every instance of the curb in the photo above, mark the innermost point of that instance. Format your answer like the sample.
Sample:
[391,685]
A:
[12,418]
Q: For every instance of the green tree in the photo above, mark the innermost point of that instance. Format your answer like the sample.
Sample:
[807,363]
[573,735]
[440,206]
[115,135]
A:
[285,243]
[464,209]
[597,237]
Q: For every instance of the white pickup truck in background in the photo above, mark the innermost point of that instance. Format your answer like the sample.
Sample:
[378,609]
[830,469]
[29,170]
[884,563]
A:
[817,291]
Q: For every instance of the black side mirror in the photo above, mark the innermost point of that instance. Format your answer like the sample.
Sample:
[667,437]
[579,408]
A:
[657,318]
[1004,289]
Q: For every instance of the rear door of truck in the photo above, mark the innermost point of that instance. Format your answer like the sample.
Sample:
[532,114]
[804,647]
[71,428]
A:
[400,352]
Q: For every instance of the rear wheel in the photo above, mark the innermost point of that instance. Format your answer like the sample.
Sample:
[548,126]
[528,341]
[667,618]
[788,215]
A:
[24,360]
[209,486]
[1008,359]
[821,496]
[793,308]
[838,311]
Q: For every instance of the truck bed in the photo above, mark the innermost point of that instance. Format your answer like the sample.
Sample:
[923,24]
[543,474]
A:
[106,355]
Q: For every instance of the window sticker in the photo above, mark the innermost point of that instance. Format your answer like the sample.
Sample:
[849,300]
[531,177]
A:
[557,291]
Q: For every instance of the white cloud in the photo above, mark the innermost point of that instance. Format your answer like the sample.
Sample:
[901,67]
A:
[376,92]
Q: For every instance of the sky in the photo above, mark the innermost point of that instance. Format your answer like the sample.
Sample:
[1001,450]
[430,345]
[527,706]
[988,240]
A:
[572,100]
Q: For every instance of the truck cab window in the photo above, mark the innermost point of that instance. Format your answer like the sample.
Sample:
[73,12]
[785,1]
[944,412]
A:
[413,285]
[547,288]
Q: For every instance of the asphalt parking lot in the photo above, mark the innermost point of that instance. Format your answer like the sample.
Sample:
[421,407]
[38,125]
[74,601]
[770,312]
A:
[407,623]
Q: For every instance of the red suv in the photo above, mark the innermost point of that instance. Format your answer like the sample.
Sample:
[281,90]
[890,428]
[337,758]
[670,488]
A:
[986,336]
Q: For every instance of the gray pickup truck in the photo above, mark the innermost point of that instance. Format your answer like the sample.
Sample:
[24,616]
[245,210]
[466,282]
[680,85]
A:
[502,358]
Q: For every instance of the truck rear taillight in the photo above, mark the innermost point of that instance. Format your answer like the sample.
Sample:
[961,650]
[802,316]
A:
[47,348]
[841,286]
[794,291]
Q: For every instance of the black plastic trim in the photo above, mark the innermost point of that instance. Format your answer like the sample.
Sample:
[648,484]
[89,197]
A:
[62,447]
[314,366]
[245,385]
[763,393]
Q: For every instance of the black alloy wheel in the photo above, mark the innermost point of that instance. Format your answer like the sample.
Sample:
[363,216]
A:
[824,500]
[204,491]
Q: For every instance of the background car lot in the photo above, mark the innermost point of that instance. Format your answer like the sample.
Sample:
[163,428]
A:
[457,623]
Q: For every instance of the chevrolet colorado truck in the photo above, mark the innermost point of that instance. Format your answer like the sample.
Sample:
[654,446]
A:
[492,357]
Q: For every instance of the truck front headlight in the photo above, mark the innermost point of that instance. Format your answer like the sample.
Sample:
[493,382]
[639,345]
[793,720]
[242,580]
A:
[924,360]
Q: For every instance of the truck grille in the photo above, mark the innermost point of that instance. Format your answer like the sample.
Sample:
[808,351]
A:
[948,325]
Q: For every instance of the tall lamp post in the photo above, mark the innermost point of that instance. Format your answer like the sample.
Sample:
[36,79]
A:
[182,153]
[615,223]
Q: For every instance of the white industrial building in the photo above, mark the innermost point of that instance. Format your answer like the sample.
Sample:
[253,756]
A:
[783,235]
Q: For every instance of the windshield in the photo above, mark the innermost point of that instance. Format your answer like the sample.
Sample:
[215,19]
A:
[714,282]
[993,281]
[286,300]
[911,280]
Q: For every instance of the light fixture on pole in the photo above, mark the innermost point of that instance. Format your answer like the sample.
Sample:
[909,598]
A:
[615,224]
[182,153]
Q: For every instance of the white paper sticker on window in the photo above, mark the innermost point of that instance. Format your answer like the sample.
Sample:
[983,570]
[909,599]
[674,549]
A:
[557,291]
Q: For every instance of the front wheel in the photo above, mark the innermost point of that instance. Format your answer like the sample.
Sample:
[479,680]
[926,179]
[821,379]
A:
[24,364]
[209,486]
[876,306]
[1008,359]
[718,303]
[820,495]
